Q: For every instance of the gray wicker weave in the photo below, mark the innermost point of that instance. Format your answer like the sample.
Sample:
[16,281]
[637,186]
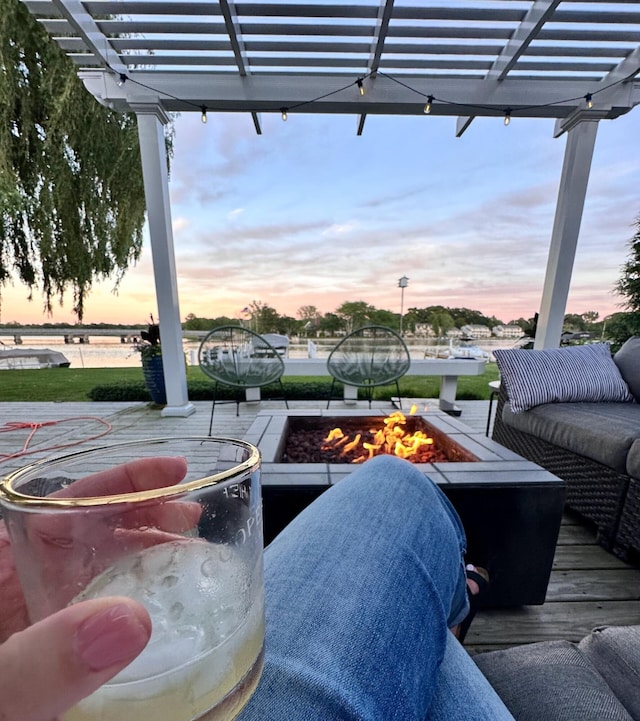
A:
[596,492]
[628,536]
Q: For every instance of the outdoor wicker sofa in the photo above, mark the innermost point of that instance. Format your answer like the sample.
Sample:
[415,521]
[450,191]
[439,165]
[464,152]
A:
[597,679]
[593,445]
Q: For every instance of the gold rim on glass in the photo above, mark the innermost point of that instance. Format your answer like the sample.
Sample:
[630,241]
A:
[13,497]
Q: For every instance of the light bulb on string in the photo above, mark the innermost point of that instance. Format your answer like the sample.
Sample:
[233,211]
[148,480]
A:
[283,112]
[360,85]
[203,117]
[507,116]
[589,100]
[427,107]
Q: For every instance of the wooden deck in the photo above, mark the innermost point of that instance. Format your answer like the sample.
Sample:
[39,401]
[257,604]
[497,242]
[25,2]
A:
[589,587]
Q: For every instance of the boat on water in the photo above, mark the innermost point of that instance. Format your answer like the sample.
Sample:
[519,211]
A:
[462,349]
[30,358]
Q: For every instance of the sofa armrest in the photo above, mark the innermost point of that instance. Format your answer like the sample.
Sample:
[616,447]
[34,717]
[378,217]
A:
[550,681]
[615,652]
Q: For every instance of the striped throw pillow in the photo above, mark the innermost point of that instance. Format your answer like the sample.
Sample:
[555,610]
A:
[583,373]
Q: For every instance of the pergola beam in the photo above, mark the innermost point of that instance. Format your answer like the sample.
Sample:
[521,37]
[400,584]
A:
[377,47]
[84,25]
[227,7]
[529,28]
[230,14]
[231,93]
[625,70]
[381,31]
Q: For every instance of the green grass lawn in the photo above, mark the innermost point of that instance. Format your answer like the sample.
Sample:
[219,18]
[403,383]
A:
[73,384]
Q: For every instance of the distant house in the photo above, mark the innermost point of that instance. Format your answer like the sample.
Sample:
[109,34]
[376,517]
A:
[454,333]
[474,330]
[507,331]
[424,329]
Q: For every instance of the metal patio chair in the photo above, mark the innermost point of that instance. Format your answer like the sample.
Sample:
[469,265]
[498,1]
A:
[228,355]
[369,357]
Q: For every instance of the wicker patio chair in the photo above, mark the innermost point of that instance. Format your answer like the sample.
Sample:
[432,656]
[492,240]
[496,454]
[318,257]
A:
[228,355]
[369,357]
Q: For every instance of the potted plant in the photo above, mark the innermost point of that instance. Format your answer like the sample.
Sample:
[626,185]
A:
[152,368]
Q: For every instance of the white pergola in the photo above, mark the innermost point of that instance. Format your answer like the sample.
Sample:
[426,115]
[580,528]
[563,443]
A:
[573,61]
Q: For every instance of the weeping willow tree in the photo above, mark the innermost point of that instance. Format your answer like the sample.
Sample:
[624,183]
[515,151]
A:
[71,194]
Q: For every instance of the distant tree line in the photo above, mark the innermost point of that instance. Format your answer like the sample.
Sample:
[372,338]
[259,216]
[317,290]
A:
[310,322]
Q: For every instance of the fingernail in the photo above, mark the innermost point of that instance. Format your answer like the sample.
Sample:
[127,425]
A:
[110,636]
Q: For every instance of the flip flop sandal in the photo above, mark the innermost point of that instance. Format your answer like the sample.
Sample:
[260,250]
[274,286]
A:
[480,576]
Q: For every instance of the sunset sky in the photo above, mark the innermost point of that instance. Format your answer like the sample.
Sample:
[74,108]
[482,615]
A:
[310,214]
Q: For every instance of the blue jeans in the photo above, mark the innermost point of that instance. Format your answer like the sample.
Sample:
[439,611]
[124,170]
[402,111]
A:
[360,591]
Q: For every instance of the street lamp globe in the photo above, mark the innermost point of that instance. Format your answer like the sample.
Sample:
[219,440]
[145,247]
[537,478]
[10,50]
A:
[402,284]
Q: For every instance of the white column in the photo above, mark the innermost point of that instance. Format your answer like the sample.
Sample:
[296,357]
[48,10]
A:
[156,190]
[578,153]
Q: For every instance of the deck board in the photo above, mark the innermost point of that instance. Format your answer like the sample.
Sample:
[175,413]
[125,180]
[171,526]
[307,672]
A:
[577,585]
[552,621]
[585,557]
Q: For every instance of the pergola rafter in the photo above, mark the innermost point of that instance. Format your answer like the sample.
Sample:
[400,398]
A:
[228,8]
[76,16]
[575,61]
[528,29]
[377,46]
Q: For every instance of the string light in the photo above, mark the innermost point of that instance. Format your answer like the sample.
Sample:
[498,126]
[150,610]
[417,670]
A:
[588,98]
[203,117]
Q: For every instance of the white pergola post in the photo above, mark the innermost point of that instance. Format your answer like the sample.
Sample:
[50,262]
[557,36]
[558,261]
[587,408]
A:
[156,189]
[578,153]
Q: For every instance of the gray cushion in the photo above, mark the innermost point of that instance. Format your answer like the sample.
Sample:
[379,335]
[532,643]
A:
[633,460]
[551,681]
[603,432]
[581,374]
[628,361]
[615,652]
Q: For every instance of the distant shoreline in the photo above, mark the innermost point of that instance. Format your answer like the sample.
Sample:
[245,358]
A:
[109,352]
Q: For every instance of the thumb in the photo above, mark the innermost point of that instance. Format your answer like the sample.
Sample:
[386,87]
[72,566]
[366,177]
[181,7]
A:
[50,666]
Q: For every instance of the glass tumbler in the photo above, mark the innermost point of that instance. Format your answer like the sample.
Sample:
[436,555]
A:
[173,523]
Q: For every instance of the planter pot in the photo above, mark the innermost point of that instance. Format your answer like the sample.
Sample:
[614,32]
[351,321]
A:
[153,372]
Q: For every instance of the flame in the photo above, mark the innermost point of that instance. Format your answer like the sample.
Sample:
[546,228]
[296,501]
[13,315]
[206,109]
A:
[391,439]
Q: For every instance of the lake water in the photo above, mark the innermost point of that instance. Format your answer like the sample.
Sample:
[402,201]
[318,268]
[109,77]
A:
[107,352]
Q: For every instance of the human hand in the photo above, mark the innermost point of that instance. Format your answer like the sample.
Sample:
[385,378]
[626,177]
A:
[51,665]
[67,548]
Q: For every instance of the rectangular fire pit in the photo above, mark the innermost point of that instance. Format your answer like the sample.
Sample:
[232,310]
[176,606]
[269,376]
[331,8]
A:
[332,439]
[510,507]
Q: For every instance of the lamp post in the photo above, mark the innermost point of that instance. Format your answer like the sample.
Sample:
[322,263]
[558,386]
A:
[402,284]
